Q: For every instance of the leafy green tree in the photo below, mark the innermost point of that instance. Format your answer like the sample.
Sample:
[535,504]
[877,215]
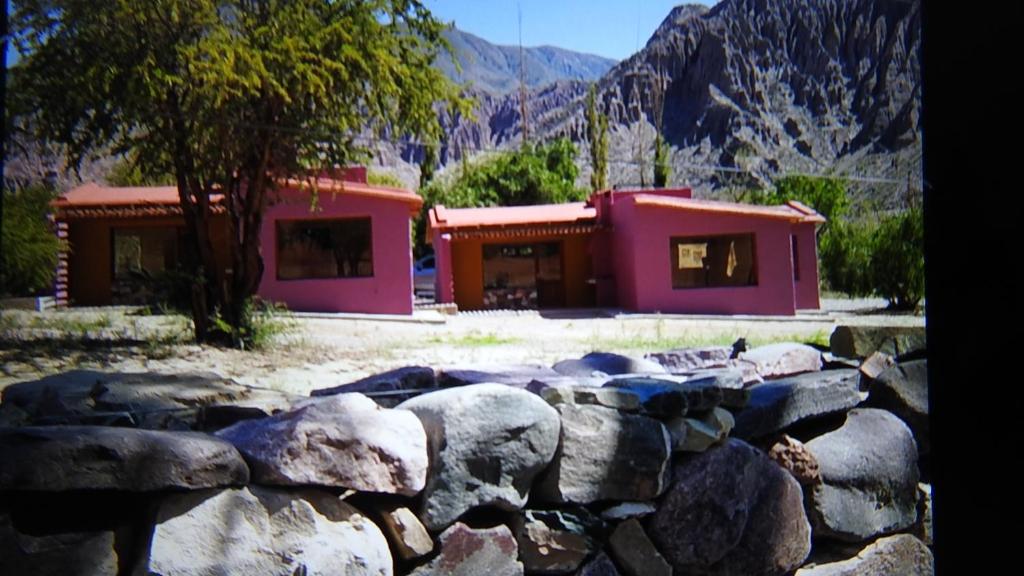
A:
[231,97]
[897,262]
[127,172]
[544,174]
[845,253]
[597,139]
[30,244]
[662,170]
[383,179]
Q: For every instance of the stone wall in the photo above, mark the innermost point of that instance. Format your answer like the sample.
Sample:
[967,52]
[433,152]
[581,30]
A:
[776,460]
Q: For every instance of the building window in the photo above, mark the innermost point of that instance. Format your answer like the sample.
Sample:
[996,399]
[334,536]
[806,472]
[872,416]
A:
[340,248]
[713,261]
[144,252]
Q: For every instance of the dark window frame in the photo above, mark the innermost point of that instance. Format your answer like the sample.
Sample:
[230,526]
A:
[323,223]
[675,277]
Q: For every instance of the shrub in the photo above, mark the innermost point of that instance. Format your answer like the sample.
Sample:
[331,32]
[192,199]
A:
[845,254]
[897,263]
[30,247]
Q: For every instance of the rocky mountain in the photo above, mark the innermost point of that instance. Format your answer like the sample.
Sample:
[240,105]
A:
[495,69]
[746,91]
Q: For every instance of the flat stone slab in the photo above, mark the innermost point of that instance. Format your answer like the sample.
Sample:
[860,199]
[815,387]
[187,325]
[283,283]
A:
[777,404]
[516,375]
[487,443]
[408,536]
[144,400]
[783,359]
[474,552]
[606,454]
[666,398]
[868,478]
[731,511]
[257,530]
[606,363]
[344,440]
[59,458]
[685,360]
[619,399]
[900,554]
[862,341]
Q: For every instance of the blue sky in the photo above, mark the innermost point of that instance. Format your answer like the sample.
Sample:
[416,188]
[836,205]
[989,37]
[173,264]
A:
[605,27]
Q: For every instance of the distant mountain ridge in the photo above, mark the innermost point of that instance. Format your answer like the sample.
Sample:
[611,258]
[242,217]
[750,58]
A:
[495,68]
[753,89]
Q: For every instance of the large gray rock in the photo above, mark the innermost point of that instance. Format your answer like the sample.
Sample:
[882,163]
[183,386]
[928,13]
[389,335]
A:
[900,554]
[869,478]
[780,403]
[469,552]
[343,440]
[487,442]
[903,390]
[606,455]
[58,458]
[516,375]
[607,363]
[64,554]
[665,398]
[783,359]
[685,360]
[732,382]
[258,530]
[732,511]
[552,541]
[862,341]
[144,400]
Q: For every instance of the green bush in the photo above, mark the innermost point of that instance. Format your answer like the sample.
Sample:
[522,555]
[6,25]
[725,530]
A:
[897,262]
[30,247]
[845,254]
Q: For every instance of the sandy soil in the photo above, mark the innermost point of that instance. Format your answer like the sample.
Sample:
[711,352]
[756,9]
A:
[323,351]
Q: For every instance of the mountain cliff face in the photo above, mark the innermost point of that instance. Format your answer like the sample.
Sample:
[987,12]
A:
[747,91]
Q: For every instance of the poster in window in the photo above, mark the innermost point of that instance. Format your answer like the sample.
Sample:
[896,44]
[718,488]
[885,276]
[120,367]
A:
[691,255]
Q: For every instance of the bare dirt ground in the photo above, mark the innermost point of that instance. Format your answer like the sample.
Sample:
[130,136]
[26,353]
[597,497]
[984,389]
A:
[318,351]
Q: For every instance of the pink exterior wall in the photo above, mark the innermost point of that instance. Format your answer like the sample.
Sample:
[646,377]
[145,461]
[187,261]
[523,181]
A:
[807,286]
[643,262]
[388,291]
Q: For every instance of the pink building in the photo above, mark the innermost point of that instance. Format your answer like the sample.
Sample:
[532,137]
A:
[350,251]
[642,250]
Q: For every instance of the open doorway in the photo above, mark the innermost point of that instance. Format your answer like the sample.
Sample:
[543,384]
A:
[523,276]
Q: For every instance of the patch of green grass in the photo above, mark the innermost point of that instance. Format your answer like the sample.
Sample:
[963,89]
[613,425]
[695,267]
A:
[475,339]
[657,340]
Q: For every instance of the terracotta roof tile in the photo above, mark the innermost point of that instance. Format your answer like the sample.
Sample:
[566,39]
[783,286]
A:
[442,218]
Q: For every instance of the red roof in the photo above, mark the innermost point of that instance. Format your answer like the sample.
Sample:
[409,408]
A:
[442,218]
[792,211]
[358,189]
[137,200]
[92,194]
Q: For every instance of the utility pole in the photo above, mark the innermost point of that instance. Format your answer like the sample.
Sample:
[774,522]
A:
[522,79]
